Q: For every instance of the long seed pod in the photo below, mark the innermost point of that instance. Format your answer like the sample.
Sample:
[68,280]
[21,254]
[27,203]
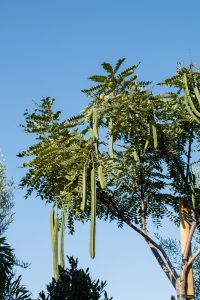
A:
[89,115]
[95,123]
[189,109]
[146,145]
[52,225]
[55,248]
[62,239]
[147,140]
[101,178]
[155,140]
[196,90]
[93,213]
[110,139]
[91,133]
[193,111]
[135,155]
[84,188]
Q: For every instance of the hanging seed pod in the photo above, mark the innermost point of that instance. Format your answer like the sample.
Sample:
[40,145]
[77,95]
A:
[155,140]
[135,156]
[148,138]
[84,188]
[93,213]
[55,248]
[52,225]
[95,123]
[196,90]
[146,145]
[195,111]
[110,139]
[62,239]
[188,102]
[89,115]
[101,178]
[189,110]
[91,133]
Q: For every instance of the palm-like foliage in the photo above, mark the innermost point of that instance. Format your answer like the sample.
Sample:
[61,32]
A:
[6,261]
[10,285]
[15,290]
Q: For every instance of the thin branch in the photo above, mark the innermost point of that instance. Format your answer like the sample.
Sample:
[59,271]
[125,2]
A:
[193,258]
[189,156]
[107,200]
[161,262]
[189,240]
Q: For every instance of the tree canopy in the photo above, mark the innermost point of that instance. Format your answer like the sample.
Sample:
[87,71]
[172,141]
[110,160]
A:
[127,156]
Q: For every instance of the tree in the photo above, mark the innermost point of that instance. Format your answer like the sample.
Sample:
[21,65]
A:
[6,200]
[146,154]
[74,284]
[11,287]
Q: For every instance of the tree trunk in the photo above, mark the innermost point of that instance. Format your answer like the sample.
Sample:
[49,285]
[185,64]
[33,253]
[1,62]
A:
[184,232]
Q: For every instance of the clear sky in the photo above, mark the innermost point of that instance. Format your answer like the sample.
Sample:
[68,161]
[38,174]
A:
[49,48]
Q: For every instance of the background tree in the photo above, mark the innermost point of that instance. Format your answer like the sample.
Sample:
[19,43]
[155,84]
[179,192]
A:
[145,150]
[74,284]
[6,200]
[11,287]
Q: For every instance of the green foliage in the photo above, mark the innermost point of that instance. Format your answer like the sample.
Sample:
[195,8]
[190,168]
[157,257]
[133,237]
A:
[14,290]
[112,81]
[6,200]
[74,284]
[10,285]
[6,260]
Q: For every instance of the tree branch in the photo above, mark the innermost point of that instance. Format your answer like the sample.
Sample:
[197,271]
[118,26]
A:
[189,239]
[189,156]
[191,260]
[112,207]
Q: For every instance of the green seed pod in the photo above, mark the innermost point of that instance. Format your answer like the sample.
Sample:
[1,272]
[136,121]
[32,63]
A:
[84,189]
[52,225]
[91,133]
[95,123]
[62,239]
[155,140]
[55,248]
[135,156]
[195,111]
[110,139]
[101,178]
[148,138]
[93,213]
[189,103]
[89,115]
[196,90]
[189,110]
[146,145]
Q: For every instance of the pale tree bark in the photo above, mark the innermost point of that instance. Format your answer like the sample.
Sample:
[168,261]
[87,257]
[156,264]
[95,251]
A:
[187,281]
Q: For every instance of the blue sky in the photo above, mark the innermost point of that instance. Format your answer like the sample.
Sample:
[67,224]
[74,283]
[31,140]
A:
[50,48]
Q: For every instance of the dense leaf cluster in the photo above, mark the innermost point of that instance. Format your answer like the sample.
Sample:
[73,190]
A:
[74,284]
